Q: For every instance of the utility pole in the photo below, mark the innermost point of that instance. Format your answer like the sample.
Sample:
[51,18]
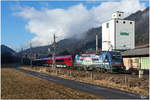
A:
[54,53]
[30,54]
[22,56]
[49,51]
[96,43]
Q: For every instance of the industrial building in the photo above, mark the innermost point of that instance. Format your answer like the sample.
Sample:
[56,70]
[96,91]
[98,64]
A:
[137,58]
[118,34]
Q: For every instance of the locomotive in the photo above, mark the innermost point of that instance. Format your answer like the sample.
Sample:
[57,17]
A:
[106,61]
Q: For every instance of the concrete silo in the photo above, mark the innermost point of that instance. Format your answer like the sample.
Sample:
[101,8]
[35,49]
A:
[117,33]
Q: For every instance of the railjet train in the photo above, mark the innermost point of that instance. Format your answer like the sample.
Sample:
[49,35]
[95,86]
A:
[106,61]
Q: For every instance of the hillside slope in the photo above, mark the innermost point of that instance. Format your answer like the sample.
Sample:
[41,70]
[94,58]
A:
[8,55]
[6,49]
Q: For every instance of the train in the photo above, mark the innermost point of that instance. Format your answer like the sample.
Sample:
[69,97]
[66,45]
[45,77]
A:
[106,61]
[61,61]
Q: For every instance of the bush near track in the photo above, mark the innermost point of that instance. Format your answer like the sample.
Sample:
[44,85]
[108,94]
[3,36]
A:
[19,85]
[126,82]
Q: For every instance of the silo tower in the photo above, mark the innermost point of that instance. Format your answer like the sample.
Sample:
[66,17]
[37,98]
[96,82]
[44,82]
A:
[117,33]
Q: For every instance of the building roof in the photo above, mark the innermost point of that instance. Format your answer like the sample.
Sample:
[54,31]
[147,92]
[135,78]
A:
[116,20]
[119,11]
[142,46]
[136,52]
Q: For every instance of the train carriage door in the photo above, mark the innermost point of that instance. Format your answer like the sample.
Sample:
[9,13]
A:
[69,61]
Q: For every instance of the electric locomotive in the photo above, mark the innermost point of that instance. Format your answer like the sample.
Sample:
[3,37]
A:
[106,61]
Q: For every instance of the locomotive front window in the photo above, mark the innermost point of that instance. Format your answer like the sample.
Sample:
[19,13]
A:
[116,56]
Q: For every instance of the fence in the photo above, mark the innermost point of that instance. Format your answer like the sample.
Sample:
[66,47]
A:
[121,80]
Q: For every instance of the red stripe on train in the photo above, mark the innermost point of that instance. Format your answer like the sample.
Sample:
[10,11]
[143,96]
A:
[116,65]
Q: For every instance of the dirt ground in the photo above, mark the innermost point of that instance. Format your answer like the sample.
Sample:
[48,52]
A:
[18,85]
[126,82]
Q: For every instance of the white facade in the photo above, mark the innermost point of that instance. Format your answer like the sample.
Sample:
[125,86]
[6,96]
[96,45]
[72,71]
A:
[118,15]
[118,34]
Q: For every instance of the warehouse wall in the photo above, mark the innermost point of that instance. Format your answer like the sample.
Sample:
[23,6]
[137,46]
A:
[144,62]
[136,62]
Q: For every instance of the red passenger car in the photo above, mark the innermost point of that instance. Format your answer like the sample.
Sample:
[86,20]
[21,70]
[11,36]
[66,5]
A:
[61,61]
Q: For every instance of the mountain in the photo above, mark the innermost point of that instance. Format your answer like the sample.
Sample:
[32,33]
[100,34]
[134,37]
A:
[141,19]
[6,49]
[8,55]
[75,45]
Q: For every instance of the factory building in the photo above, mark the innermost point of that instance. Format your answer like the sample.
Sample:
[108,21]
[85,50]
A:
[117,33]
[137,58]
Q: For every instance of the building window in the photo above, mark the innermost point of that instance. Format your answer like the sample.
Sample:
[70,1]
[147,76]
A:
[124,22]
[119,15]
[107,25]
[130,22]
[117,21]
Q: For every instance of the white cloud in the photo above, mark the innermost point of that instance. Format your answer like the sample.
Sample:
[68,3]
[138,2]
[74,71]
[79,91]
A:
[72,21]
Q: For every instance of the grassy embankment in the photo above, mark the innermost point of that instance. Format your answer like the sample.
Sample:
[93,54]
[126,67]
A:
[18,85]
[130,83]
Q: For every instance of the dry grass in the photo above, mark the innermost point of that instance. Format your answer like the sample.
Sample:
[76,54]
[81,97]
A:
[117,81]
[18,85]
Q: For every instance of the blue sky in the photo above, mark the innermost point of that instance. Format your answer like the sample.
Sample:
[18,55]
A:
[14,33]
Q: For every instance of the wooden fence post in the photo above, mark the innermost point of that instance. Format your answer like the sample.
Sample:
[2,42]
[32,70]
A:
[91,75]
[126,80]
[70,72]
[140,73]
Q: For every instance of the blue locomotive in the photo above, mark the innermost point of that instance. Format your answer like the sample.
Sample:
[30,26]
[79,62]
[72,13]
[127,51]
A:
[106,61]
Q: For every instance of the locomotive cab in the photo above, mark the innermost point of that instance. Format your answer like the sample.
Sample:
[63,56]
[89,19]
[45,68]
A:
[115,61]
